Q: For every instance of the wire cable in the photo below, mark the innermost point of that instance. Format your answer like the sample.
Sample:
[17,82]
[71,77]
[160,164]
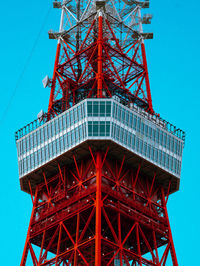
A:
[25,67]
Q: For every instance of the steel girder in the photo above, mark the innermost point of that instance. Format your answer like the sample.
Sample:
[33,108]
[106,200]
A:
[99,211]
[106,58]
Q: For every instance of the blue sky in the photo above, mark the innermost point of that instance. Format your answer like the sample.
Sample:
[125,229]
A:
[27,55]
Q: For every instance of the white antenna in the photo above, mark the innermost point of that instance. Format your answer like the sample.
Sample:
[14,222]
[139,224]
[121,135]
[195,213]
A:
[45,81]
[40,116]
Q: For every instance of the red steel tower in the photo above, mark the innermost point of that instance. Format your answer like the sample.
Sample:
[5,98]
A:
[100,164]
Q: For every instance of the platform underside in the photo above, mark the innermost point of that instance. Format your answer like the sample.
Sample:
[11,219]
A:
[115,151]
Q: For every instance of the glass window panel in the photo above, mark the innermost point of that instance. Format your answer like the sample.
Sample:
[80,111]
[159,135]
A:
[138,124]
[156,155]
[172,144]
[134,122]
[80,132]
[67,120]
[53,148]
[46,152]
[130,120]
[27,143]
[49,130]
[95,108]
[140,146]
[34,139]
[152,153]
[107,128]
[38,137]
[102,128]
[102,108]
[84,130]
[50,150]
[89,108]
[31,141]
[65,141]
[150,132]
[42,155]
[145,149]
[146,130]
[153,134]
[159,157]
[168,141]
[75,116]
[129,139]
[125,137]
[60,123]
[121,134]
[52,124]
[114,110]
[127,117]
[95,128]
[163,158]
[170,162]
[42,135]
[119,113]
[39,156]
[76,135]
[167,161]
[108,108]
[175,145]
[157,135]
[79,112]
[24,146]
[133,141]
[165,139]
[36,158]
[64,121]
[142,128]
[148,150]
[28,163]
[83,110]
[117,132]
[161,138]
[89,128]
[72,137]
[61,143]
[32,160]
[137,144]
[57,146]
[24,165]
[123,115]
[45,133]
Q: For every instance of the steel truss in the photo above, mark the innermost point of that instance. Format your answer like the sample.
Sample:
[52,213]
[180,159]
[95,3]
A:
[99,211]
[100,53]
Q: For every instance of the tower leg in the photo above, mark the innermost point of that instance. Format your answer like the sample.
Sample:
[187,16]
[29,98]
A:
[106,213]
[98,211]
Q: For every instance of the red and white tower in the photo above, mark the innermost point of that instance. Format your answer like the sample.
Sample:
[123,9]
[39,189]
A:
[100,164]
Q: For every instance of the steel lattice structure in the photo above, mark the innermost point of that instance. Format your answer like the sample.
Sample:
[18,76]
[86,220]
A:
[100,164]
[100,53]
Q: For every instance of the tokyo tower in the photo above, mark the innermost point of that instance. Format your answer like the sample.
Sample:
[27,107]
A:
[100,164]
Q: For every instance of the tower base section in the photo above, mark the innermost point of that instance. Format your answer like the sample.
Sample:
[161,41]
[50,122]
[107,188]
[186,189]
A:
[99,210]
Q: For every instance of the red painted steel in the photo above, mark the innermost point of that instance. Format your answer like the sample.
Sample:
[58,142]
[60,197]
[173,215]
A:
[98,68]
[99,211]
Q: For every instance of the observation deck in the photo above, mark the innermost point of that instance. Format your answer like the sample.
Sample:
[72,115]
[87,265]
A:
[100,123]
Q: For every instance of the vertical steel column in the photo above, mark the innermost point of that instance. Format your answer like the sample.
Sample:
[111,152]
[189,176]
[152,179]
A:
[147,78]
[145,64]
[172,248]
[99,59]
[25,252]
[51,99]
[98,210]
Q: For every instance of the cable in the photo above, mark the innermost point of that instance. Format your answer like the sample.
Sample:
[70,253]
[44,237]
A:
[24,68]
